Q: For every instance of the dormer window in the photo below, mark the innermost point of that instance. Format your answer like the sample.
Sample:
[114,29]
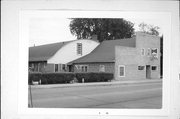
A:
[79,48]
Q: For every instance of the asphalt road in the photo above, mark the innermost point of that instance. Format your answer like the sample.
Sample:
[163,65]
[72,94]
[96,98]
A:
[130,96]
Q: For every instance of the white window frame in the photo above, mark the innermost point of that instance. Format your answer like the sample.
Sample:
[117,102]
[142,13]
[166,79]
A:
[119,70]
[143,51]
[101,67]
[154,66]
[149,52]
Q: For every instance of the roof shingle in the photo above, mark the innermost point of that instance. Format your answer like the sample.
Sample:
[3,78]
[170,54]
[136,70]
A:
[44,52]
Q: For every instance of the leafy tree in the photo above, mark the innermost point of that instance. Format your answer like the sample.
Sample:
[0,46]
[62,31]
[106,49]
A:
[149,29]
[105,29]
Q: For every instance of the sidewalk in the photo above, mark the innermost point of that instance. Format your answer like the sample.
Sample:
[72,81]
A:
[113,82]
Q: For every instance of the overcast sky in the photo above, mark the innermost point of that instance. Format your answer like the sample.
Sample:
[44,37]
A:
[52,30]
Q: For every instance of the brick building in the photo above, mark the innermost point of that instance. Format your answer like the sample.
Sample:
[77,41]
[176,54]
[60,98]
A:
[140,62]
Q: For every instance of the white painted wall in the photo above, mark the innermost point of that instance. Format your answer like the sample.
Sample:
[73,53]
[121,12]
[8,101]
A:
[68,52]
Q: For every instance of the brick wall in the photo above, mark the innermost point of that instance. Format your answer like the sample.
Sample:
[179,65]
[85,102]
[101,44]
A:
[95,67]
[49,68]
[131,58]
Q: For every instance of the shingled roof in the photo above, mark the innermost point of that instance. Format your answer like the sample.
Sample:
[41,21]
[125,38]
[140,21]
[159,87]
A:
[105,52]
[44,52]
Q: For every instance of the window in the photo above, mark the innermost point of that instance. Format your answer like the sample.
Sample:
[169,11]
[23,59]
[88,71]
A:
[64,67]
[101,68]
[79,48]
[140,67]
[56,67]
[142,51]
[149,52]
[121,71]
[84,68]
[154,52]
[154,68]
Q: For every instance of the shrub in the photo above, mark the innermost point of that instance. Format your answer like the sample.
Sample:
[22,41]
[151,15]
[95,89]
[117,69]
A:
[94,77]
[36,76]
[59,78]
[51,78]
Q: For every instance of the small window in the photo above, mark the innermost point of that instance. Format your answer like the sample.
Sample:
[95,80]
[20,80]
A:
[140,67]
[56,67]
[142,51]
[64,67]
[154,52]
[121,71]
[102,68]
[149,52]
[154,68]
[79,48]
[84,68]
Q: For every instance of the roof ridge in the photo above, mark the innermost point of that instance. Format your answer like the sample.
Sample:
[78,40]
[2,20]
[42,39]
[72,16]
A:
[52,43]
[121,39]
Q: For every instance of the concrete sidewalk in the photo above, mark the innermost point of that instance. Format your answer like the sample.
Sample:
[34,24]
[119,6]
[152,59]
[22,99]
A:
[113,82]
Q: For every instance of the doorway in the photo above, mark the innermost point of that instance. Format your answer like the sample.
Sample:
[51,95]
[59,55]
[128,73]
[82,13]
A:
[148,71]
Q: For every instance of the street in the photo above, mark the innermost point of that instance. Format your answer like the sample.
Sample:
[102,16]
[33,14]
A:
[131,96]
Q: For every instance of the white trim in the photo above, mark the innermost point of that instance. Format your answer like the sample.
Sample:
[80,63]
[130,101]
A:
[149,51]
[143,53]
[119,70]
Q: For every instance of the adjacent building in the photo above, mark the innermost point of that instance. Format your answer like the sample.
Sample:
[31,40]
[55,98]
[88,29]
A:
[140,62]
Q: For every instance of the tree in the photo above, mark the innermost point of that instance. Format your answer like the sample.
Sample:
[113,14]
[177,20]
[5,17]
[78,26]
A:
[149,29]
[105,29]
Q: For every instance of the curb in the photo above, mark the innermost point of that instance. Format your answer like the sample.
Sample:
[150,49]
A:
[94,84]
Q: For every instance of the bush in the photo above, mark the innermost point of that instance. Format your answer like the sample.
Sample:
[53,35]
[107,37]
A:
[59,78]
[51,78]
[36,76]
[94,77]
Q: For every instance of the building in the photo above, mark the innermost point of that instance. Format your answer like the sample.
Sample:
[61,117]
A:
[102,58]
[140,62]
[132,58]
[54,57]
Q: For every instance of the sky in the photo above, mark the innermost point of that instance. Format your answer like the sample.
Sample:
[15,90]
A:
[51,30]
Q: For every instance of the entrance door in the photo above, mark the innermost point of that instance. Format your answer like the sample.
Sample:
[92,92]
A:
[148,71]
